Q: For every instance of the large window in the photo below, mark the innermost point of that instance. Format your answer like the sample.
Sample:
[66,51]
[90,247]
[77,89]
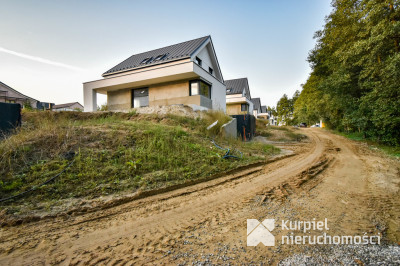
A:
[199,87]
[140,97]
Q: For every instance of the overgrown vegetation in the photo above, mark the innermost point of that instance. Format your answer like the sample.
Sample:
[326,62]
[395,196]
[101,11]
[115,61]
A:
[355,82]
[114,152]
[278,133]
[358,136]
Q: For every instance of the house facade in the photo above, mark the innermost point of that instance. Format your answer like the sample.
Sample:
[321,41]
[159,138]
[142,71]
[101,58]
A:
[68,107]
[264,113]
[185,73]
[10,95]
[238,98]
[256,106]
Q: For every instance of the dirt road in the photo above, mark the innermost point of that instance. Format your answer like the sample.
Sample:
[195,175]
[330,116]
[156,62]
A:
[355,188]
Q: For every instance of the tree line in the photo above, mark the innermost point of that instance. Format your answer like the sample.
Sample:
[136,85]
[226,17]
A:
[354,85]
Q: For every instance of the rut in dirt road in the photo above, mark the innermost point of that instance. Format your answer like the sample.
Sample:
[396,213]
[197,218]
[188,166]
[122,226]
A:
[184,225]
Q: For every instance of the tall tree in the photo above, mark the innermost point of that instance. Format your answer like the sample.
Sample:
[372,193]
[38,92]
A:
[355,85]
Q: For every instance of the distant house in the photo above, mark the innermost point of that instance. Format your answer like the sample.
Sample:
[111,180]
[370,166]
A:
[68,107]
[272,120]
[264,113]
[256,106]
[184,73]
[238,98]
[10,95]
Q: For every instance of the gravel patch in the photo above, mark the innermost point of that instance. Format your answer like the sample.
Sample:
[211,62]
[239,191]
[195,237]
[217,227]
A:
[347,255]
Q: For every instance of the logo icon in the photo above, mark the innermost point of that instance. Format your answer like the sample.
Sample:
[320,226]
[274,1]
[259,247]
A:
[260,232]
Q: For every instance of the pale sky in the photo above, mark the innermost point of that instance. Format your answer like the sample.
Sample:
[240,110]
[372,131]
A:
[49,48]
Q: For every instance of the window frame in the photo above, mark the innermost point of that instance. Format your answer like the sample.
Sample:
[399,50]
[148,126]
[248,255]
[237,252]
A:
[198,61]
[247,107]
[133,97]
[210,70]
[198,81]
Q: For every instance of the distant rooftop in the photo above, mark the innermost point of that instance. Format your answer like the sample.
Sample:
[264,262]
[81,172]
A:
[236,86]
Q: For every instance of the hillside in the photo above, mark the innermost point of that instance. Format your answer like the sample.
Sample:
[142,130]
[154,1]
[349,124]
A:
[103,154]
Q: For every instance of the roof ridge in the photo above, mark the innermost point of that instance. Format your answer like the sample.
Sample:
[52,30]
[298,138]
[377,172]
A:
[236,79]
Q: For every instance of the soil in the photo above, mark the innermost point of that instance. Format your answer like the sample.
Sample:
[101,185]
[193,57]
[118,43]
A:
[355,188]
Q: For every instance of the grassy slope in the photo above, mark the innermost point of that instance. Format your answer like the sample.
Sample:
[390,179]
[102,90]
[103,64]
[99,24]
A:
[115,153]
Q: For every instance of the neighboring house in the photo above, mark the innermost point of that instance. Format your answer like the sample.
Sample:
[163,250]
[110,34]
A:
[272,120]
[264,114]
[9,95]
[256,106]
[68,107]
[238,98]
[185,73]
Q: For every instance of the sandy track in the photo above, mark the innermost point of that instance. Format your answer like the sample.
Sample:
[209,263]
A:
[207,222]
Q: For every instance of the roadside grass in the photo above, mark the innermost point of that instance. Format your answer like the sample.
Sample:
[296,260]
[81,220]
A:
[372,144]
[278,133]
[114,152]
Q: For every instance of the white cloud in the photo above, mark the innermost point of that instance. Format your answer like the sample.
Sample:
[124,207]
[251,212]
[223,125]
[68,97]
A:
[39,59]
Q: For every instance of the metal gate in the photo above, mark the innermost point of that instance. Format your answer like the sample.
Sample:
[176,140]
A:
[10,117]
[246,126]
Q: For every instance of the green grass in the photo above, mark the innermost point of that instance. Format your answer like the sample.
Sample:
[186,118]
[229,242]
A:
[278,133]
[358,136]
[114,153]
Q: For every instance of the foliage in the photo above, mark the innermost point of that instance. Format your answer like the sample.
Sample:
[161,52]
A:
[355,81]
[285,109]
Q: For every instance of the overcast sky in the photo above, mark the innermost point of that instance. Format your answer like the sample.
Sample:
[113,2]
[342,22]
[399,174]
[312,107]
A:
[49,48]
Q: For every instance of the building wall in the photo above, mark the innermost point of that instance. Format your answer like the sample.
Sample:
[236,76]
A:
[169,90]
[160,94]
[119,100]
[235,109]
[206,60]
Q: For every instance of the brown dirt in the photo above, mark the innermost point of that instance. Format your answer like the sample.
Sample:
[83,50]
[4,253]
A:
[331,177]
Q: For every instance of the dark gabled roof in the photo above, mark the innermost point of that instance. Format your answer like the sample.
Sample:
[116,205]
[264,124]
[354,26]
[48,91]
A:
[256,103]
[263,109]
[236,86]
[172,53]
[22,95]
[65,105]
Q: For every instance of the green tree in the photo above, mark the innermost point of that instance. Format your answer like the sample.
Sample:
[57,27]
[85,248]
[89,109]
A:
[354,84]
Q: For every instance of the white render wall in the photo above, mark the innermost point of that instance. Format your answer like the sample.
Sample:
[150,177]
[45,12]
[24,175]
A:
[218,89]
[206,60]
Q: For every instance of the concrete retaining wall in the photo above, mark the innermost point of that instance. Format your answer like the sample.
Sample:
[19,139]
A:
[229,130]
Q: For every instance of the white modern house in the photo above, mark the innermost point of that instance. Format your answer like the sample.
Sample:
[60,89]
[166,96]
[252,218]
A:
[238,98]
[185,73]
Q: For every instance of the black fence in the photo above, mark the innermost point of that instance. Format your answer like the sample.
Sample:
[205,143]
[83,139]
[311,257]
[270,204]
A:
[10,117]
[246,126]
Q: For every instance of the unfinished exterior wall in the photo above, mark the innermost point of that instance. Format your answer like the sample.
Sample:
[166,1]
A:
[159,95]
[168,91]
[233,109]
[119,100]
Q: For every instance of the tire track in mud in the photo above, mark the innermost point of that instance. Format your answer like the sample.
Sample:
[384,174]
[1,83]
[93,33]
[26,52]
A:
[150,225]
